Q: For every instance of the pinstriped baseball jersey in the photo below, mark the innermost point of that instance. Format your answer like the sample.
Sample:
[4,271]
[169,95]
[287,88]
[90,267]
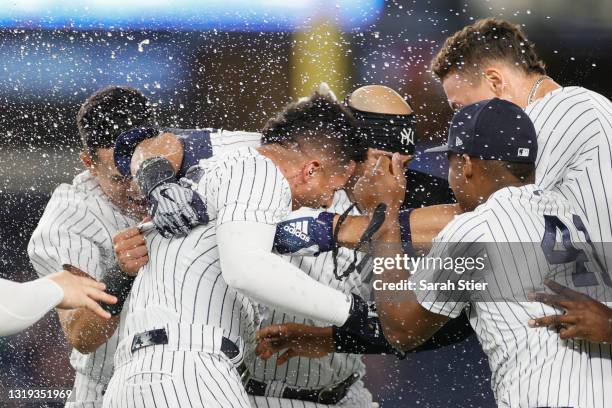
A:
[574,127]
[334,368]
[525,235]
[182,283]
[77,229]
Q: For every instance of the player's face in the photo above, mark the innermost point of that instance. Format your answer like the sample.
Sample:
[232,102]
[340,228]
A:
[118,189]
[462,90]
[319,182]
[463,185]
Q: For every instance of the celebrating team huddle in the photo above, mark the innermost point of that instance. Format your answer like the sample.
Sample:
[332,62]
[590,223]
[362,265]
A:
[244,268]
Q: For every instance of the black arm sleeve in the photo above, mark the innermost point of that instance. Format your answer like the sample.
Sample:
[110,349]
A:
[371,340]
[454,331]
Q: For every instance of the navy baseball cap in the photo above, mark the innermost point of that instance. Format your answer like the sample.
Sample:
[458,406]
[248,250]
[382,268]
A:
[493,129]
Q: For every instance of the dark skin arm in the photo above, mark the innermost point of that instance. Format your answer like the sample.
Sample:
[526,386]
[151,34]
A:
[85,330]
[425,224]
[584,317]
[405,322]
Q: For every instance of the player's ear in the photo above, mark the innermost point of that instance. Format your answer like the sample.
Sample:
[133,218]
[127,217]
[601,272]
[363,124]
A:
[468,167]
[310,170]
[88,162]
[494,80]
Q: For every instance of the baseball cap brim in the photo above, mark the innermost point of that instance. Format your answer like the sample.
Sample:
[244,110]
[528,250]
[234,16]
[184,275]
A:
[438,149]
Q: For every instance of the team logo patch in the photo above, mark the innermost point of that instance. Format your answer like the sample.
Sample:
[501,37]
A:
[407,137]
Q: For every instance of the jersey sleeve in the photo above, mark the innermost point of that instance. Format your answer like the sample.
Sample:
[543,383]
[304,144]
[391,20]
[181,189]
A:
[438,278]
[68,233]
[252,189]
[569,133]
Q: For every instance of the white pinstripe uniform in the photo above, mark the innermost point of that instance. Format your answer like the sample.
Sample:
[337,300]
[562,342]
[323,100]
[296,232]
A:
[317,372]
[574,127]
[530,367]
[77,229]
[182,289]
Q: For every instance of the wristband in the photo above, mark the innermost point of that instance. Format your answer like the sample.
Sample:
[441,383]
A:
[153,172]
[126,144]
[119,285]
[323,231]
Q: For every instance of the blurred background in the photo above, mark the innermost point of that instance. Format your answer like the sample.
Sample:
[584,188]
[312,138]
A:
[232,64]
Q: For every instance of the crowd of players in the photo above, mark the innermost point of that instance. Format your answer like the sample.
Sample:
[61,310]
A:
[227,254]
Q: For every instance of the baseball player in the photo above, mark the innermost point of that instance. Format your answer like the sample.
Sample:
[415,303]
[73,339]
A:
[334,377]
[493,58]
[192,313]
[522,235]
[76,229]
[295,235]
[23,304]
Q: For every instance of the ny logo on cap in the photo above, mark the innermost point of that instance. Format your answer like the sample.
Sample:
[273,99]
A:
[407,136]
[523,152]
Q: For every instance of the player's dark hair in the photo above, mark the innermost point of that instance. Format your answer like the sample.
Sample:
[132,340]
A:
[488,39]
[521,171]
[108,113]
[319,119]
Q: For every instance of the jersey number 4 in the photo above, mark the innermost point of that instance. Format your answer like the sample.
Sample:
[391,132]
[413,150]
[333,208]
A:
[582,276]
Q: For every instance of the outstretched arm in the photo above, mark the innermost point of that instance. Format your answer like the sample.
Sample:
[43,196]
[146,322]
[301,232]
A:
[249,266]
[23,304]
[422,225]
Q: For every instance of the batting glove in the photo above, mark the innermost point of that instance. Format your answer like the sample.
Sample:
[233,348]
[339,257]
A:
[305,232]
[175,209]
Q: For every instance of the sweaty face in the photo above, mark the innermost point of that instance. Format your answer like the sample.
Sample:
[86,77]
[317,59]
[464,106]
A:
[462,90]
[118,189]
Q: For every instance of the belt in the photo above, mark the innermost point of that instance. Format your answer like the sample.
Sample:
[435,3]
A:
[158,337]
[328,395]
[331,395]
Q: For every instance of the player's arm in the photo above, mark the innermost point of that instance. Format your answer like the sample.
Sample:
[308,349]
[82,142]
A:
[405,323]
[54,246]
[249,203]
[23,304]
[418,226]
[310,232]
[84,330]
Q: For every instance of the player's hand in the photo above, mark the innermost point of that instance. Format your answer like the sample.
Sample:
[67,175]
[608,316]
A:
[295,340]
[131,250]
[385,183]
[584,318]
[80,291]
[175,209]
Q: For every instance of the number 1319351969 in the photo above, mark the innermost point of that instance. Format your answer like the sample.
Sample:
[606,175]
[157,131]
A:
[38,394]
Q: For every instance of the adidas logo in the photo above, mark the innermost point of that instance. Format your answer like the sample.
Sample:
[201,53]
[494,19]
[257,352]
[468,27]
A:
[458,142]
[294,229]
